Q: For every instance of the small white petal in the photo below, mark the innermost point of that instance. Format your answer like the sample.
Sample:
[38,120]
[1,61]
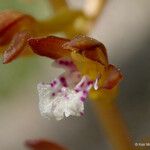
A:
[96,83]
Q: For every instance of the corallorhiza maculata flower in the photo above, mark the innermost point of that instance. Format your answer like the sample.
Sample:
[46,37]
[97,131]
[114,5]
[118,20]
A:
[86,72]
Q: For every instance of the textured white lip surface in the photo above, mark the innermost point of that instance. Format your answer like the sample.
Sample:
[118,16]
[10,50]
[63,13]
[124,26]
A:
[59,106]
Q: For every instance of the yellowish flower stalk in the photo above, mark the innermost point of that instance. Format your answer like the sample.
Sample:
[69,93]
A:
[60,22]
[108,114]
[111,119]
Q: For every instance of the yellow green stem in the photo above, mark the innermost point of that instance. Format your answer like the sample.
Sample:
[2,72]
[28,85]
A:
[60,21]
[114,125]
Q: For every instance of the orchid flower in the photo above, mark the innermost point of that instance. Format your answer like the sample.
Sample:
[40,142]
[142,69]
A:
[86,69]
[87,73]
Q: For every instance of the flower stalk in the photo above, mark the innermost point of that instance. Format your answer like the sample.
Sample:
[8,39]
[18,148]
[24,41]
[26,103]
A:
[113,123]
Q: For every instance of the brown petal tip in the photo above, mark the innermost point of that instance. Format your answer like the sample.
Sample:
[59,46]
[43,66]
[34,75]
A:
[16,46]
[114,76]
[43,145]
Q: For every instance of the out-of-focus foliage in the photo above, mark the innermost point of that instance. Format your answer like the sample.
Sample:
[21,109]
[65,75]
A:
[37,8]
[14,75]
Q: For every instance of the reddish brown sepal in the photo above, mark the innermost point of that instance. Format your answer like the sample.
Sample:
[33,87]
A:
[112,78]
[50,46]
[43,145]
[55,47]
[16,46]
[12,22]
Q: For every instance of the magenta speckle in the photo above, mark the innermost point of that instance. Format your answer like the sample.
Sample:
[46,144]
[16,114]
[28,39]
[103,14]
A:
[53,94]
[63,81]
[82,84]
[77,90]
[66,63]
[82,99]
[81,113]
[54,82]
[61,62]
[51,84]
[85,92]
[66,96]
[90,82]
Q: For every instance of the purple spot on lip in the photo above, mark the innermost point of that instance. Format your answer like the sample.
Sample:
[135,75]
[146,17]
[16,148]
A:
[66,96]
[81,113]
[90,82]
[85,92]
[53,94]
[77,90]
[82,84]
[61,62]
[66,63]
[51,84]
[63,81]
[54,82]
[82,99]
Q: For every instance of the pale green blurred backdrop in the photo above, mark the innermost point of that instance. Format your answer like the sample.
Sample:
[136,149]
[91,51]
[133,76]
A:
[14,75]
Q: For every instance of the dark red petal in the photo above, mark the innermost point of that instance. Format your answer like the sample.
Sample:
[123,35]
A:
[11,22]
[49,46]
[82,42]
[90,48]
[16,46]
[113,77]
[43,145]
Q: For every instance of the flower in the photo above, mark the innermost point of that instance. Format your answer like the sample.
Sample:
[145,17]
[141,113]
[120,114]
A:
[87,69]
[42,144]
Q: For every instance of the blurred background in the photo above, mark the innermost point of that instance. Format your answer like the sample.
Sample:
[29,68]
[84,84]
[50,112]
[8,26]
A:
[124,28]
